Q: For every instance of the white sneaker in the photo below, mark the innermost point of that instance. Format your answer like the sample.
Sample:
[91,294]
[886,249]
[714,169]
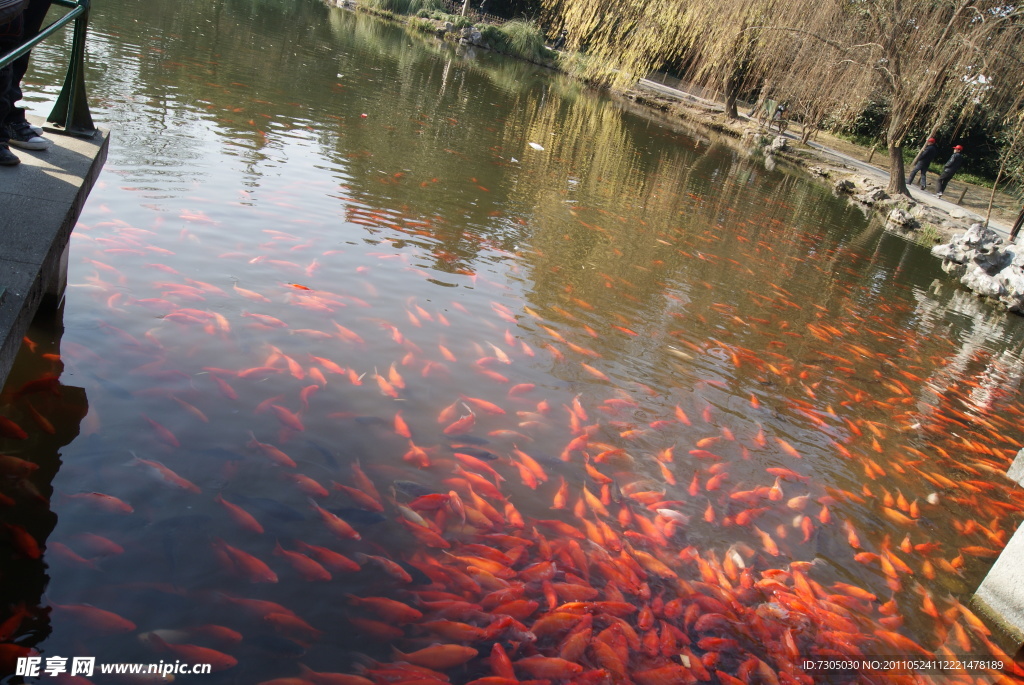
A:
[24,136]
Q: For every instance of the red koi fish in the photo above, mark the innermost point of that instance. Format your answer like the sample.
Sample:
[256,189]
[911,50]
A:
[195,654]
[335,523]
[363,482]
[439,657]
[102,502]
[388,609]
[239,515]
[170,476]
[288,417]
[329,559]
[266,320]
[23,541]
[95,619]
[163,432]
[245,564]
[273,453]
[308,569]
[461,425]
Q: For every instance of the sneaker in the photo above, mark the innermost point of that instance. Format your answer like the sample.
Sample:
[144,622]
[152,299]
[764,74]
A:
[24,136]
[938,194]
[8,158]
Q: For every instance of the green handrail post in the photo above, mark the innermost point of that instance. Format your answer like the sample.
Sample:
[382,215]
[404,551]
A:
[71,111]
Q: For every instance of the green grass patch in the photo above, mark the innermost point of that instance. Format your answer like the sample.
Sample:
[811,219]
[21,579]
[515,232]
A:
[421,24]
[525,38]
[518,38]
[458,21]
[862,140]
[928,236]
[973,179]
[404,7]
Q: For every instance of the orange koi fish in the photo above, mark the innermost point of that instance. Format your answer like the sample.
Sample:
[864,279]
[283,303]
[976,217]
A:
[95,619]
[335,523]
[288,417]
[463,425]
[240,515]
[273,453]
[169,476]
[163,432]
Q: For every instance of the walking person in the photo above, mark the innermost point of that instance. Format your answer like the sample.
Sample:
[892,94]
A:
[923,161]
[777,119]
[952,166]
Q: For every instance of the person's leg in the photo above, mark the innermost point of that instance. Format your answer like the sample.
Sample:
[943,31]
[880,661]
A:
[7,158]
[32,19]
[924,178]
[913,173]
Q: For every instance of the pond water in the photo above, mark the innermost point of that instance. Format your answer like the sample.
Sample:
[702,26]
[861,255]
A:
[549,374]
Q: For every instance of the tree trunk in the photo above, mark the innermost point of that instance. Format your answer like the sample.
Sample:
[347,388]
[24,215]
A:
[731,94]
[992,196]
[897,178]
[809,129]
[730,106]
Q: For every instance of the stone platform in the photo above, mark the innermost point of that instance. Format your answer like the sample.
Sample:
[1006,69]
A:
[1000,597]
[40,201]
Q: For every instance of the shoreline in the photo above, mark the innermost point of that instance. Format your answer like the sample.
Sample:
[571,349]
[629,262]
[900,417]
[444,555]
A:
[921,218]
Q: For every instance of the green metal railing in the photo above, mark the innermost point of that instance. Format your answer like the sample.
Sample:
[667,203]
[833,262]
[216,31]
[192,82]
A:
[71,111]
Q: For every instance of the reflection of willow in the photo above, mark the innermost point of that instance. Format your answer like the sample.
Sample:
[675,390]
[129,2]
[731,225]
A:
[591,145]
[364,32]
[649,192]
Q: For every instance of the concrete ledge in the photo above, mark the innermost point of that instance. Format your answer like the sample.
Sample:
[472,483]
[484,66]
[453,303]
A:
[1016,472]
[42,199]
[1000,597]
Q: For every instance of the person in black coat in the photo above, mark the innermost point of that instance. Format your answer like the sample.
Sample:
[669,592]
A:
[11,28]
[923,161]
[952,166]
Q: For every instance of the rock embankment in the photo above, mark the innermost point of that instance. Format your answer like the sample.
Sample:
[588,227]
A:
[986,265]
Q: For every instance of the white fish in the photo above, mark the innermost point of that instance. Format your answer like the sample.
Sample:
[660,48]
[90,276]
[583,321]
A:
[537,146]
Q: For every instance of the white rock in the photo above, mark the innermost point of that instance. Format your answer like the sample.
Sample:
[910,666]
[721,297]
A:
[900,217]
[980,282]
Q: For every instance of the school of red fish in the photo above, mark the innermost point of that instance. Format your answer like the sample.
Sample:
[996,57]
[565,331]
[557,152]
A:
[482,493]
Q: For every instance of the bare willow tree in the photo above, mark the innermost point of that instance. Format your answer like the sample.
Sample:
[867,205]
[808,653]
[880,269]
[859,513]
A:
[711,39]
[636,36]
[929,61]
[729,56]
[1011,153]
